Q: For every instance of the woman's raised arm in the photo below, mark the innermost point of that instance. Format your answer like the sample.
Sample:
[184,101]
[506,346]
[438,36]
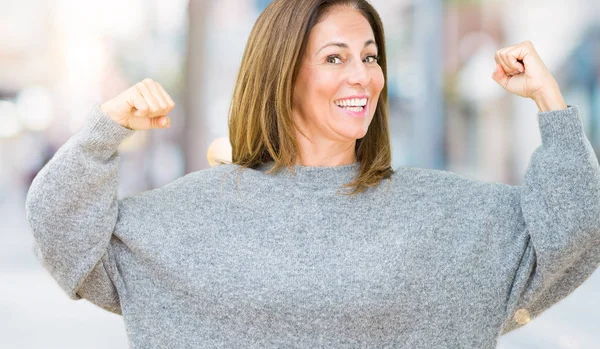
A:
[560,195]
[560,204]
[72,204]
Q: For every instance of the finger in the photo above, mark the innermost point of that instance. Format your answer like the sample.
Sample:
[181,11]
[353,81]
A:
[152,102]
[500,76]
[512,57]
[162,102]
[139,103]
[500,60]
[167,97]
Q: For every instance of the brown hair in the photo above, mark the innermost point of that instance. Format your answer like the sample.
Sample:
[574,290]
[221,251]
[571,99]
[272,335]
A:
[261,127]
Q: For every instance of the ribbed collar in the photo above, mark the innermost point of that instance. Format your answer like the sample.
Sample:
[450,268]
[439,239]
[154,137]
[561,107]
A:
[317,176]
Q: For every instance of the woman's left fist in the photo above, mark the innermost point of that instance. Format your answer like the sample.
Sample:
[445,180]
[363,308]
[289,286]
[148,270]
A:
[520,70]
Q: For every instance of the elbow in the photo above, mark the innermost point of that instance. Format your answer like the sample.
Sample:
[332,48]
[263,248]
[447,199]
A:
[38,214]
[590,217]
[31,208]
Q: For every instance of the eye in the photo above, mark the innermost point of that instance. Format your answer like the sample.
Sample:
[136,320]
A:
[372,59]
[334,59]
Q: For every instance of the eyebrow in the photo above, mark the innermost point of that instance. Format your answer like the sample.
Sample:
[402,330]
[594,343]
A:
[344,45]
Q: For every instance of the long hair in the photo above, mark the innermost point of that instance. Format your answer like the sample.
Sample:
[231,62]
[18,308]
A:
[261,127]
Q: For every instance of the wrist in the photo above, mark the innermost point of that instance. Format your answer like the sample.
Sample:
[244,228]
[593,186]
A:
[549,99]
[106,109]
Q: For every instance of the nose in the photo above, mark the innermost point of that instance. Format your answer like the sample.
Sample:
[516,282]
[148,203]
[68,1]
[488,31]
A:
[358,73]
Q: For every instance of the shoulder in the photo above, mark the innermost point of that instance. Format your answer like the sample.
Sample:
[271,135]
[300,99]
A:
[447,195]
[444,184]
[437,177]
[199,184]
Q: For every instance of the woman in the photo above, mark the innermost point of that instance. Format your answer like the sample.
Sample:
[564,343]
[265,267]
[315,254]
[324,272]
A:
[271,258]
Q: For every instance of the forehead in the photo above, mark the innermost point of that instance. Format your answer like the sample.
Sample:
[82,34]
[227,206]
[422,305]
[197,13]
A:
[343,24]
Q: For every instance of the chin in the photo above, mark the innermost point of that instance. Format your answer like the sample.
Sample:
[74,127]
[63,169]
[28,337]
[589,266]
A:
[355,134]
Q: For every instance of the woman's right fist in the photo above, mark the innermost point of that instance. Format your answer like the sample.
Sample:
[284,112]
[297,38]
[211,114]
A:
[143,106]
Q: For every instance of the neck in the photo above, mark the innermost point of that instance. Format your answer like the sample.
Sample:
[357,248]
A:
[325,152]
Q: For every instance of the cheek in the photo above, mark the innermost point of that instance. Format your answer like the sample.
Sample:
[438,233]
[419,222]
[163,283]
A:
[376,85]
[377,81]
[318,88]
[325,86]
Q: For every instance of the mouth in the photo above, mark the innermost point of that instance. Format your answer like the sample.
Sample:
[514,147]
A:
[354,106]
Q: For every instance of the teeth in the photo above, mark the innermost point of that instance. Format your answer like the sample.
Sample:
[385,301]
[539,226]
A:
[354,109]
[355,102]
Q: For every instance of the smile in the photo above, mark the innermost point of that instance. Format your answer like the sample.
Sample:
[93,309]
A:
[354,106]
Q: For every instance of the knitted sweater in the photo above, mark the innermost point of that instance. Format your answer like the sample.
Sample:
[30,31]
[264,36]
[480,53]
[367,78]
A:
[226,259]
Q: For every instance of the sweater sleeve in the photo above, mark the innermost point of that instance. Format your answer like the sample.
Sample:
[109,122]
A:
[560,206]
[71,207]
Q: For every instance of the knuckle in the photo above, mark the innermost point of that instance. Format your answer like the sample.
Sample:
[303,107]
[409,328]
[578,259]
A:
[147,80]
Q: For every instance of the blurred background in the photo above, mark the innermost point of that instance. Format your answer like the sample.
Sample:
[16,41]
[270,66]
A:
[58,58]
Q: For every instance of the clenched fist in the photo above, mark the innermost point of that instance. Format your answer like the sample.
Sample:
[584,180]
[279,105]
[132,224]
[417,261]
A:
[143,106]
[520,70]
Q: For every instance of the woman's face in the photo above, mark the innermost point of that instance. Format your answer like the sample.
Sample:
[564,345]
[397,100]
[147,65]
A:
[339,80]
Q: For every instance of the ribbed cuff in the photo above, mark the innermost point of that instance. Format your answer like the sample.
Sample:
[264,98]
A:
[562,128]
[101,132]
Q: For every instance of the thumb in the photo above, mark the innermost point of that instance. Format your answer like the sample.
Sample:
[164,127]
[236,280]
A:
[147,123]
[161,122]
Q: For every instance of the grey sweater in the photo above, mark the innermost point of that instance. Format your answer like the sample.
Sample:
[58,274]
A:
[221,259]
